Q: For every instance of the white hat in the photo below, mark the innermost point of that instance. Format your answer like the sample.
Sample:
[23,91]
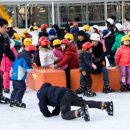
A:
[119,26]
[110,20]
[95,37]
[96,27]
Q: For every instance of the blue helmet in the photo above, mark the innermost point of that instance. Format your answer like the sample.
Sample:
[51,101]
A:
[105,32]
[73,30]
[52,32]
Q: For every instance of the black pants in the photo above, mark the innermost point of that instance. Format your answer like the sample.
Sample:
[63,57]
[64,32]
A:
[67,73]
[87,81]
[70,99]
[19,88]
[1,83]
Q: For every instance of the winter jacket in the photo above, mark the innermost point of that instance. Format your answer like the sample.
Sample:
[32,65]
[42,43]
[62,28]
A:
[43,33]
[85,61]
[47,57]
[5,48]
[99,57]
[50,96]
[80,43]
[21,66]
[58,53]
[117,43]
[70,58]
[122,56]
[6,64]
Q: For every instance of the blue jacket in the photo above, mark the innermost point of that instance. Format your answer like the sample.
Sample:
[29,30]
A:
[86,61]
[21,66]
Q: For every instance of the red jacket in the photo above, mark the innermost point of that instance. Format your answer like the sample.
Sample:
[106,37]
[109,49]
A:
[70,58]
[122,56]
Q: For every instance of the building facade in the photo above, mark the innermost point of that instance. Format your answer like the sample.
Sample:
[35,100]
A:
[89,12]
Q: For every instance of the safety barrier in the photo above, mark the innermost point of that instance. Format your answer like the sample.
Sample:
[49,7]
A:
[58,78]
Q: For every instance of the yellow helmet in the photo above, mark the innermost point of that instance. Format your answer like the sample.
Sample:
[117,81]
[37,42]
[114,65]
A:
[27,41]
[86,27]
[25,31]
[129,34]
[69,36]
[56,42]
[35,28]
[16,36]
[125,38]
[22,35]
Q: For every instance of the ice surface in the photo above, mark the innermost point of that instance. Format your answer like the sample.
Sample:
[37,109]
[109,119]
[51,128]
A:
[31,118]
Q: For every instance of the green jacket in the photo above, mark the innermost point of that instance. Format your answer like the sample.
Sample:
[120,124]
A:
[117,43]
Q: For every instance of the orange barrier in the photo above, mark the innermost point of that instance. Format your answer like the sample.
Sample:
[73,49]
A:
[58,78]
[97,85]
[55,77]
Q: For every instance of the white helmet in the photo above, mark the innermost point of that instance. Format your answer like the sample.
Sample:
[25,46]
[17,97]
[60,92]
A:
[96,27]
[95,37]
[110,20]
[119,26]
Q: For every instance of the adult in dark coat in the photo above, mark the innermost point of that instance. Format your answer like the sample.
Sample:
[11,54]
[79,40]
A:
[62,99]
[4,49]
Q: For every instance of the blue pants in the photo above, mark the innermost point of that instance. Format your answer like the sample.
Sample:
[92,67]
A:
[105,77]
[19,88]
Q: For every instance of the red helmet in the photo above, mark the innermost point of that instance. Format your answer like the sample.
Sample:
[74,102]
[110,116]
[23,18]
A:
[42,39]
[75,24]
[65,41]
[44,43]
[43,26]
[30,48]
[86,46]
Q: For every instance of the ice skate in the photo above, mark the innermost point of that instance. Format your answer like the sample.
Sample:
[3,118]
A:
[4,100]
[109,108]
[85,113]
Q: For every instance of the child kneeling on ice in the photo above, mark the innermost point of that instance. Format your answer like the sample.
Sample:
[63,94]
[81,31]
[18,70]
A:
[20,67]
[63,98]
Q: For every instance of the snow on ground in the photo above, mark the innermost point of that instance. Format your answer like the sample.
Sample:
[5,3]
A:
[31,118]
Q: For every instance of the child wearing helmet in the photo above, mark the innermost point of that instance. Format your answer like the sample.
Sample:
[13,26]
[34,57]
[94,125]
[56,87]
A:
[43,31]
[86,29]
[118,35]
[46,55]
[20,68]
[86,66]
[122,59]
[26,33]
[58,53]
[70,58]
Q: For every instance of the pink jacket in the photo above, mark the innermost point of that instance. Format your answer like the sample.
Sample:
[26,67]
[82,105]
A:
[122,56]
[6,64]
[58,53]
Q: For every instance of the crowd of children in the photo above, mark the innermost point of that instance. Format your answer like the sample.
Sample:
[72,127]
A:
[85,49]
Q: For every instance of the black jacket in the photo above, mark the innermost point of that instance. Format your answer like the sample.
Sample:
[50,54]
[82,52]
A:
[5,48]
[50,96]
[43,33]
[99,56]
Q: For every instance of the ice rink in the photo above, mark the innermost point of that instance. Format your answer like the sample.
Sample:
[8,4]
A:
[31,118]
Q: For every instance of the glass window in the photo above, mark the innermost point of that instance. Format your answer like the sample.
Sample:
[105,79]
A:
[115,9]
[96,13]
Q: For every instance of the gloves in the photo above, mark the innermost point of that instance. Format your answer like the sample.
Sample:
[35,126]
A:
[34,75]
[56,111]
[103,63]
[94,66]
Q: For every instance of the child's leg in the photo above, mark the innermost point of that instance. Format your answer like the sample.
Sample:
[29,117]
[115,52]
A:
[123,75]
[1,83]
[21,86]
[128,81]
[6,80]
[14,92]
